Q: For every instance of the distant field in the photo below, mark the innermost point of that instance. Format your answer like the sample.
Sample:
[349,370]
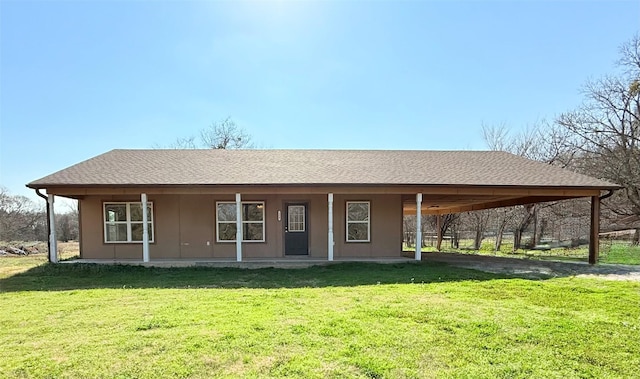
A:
[616,253]
[12,264]
[412,320]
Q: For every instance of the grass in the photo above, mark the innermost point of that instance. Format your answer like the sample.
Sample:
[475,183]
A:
[621,254]
[340,321]
[611,253]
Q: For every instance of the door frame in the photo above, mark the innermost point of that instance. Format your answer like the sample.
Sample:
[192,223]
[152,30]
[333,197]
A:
[285,224]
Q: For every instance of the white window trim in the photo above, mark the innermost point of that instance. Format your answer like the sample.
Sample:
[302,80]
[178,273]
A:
[263,222]
[128,222]
[368,222]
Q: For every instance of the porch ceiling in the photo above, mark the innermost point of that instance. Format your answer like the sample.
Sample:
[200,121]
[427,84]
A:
[436,199]
[444,204]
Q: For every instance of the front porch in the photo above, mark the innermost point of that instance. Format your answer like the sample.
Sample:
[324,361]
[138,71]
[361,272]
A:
[179,227]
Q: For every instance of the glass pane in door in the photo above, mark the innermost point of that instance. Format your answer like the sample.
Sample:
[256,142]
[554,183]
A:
[295,218]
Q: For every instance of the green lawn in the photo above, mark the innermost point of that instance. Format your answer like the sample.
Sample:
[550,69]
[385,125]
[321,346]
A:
[345,320]
[616,253]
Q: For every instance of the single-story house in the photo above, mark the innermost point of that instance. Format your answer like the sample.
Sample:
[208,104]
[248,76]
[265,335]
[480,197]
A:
[323,204]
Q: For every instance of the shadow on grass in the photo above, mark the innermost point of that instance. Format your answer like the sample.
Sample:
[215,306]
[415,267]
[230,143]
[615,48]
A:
[60,277]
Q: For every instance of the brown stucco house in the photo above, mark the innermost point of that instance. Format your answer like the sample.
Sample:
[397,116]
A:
[323,204]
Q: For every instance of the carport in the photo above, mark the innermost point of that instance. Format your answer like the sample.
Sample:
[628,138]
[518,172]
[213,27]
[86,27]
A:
[444,200]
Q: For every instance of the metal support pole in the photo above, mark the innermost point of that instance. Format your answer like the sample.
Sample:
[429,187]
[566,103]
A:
[418,227]
[594,240]
[145,229]
[238,228]
[53,244]
[330,241]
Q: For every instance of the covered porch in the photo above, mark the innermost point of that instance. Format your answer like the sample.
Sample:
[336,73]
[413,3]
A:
[217,224]
[190,217]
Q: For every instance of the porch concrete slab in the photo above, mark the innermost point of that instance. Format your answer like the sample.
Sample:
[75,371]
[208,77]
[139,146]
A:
[248,263]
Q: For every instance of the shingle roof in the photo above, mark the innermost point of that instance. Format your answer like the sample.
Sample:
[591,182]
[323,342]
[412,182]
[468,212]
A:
[308,167]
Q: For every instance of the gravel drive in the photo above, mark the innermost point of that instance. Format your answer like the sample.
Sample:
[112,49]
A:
[536,268]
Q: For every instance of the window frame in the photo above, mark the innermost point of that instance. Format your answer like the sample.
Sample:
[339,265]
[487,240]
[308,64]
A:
[127,222]
[304,218]
[243,222]
[347,221]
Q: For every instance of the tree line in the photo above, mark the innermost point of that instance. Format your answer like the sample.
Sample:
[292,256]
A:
[21,219]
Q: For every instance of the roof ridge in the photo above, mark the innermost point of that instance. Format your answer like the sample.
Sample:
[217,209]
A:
[317,150]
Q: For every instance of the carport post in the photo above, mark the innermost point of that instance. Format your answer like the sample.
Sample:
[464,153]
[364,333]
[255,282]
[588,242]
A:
[330,229]
[238,228]
[594,240]
[53,245]
[439,231]
[418,226]
[145,228]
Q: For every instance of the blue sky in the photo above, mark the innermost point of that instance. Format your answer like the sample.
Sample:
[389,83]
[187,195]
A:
[79,78]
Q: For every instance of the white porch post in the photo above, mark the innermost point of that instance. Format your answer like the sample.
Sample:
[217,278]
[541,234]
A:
[238,228]
[330,229]
[145,229]
[53,244]
[418,226]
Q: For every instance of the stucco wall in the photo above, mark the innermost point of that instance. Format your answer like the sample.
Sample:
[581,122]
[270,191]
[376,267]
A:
[185,227]
[386,227]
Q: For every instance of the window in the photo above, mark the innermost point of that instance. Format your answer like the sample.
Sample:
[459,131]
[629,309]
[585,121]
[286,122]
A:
[295,223]
[358,221]
[123,222]
[252,221]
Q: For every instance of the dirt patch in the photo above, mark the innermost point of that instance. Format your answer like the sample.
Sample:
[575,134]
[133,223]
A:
[22,248]
[10,249]
[535,268]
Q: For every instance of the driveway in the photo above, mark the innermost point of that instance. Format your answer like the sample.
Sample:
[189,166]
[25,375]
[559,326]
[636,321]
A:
[536,268]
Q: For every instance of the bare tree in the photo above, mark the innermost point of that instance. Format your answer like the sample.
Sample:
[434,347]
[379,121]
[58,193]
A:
[527,217]
[606,129]
[447,223]
[479,221]
[183,143]
[453,221]
[542,141]
[20,218]
[225,134]
[496,137]
[409,228]
[67,225]
[502,218]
